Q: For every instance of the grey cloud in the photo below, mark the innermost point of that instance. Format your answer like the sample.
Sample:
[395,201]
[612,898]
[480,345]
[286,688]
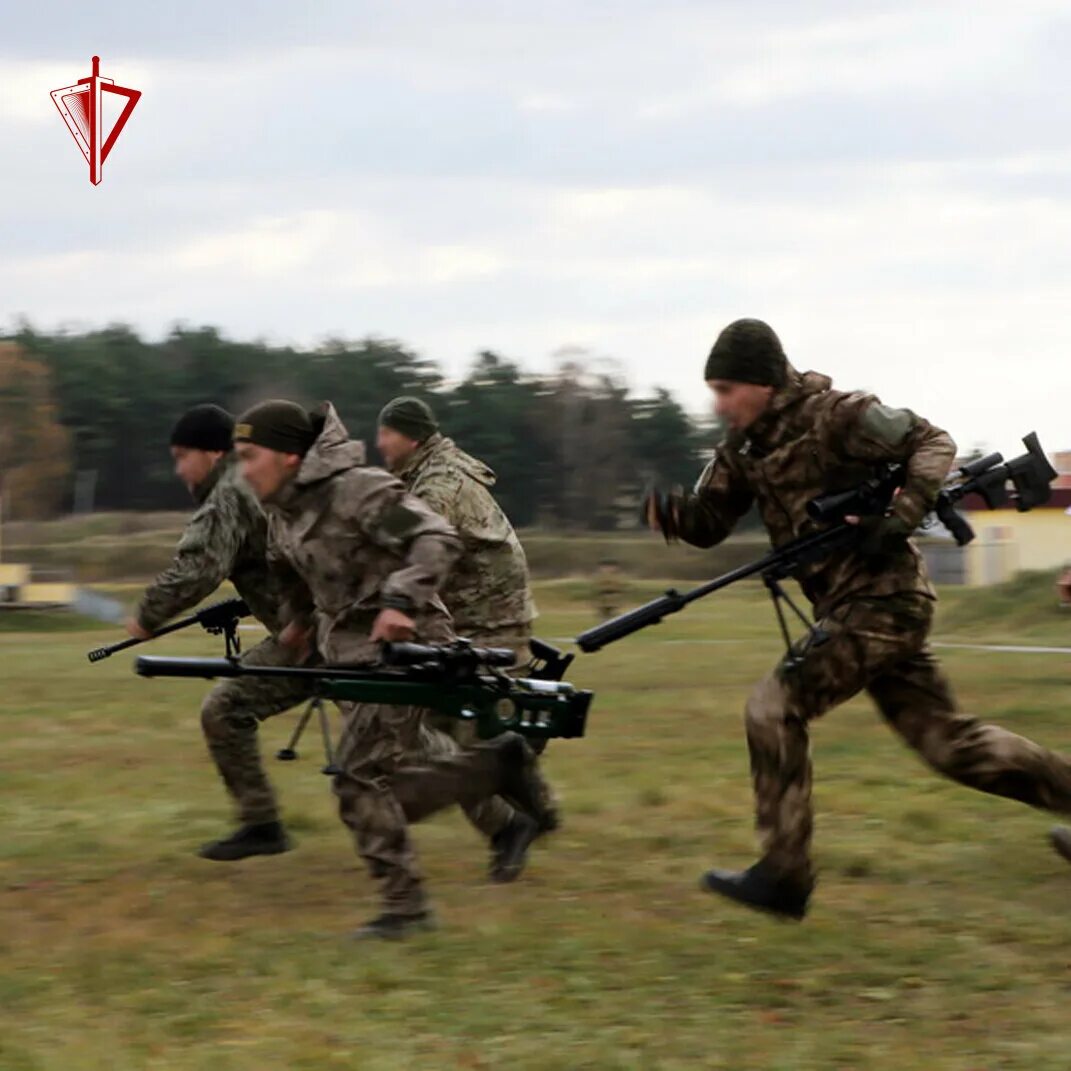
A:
[880,217]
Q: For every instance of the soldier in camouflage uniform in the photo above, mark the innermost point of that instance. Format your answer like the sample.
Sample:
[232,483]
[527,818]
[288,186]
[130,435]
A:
[226,539]
[791,438]
[363,560]
[487,592]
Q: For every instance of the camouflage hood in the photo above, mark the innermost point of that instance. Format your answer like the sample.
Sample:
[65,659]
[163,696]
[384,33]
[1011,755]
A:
[334,451]
[439,451]
[357,543]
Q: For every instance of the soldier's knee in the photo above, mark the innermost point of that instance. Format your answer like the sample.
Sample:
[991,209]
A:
[220,718]
[766,707]
[213,720]
[956,746]
[365,804]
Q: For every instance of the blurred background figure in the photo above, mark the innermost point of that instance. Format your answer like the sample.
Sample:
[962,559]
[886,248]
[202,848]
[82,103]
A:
[608,589]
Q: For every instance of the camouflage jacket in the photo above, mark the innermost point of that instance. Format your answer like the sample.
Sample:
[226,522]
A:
[812,440]
[487,593]
[349,541]
[226,539]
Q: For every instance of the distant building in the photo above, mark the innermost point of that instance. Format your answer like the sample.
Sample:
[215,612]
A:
[1062,463]
[17,589]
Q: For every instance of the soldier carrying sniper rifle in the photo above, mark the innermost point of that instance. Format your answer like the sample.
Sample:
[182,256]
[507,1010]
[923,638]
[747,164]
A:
[487,592]
[225,540]
[363,561]
[840,481]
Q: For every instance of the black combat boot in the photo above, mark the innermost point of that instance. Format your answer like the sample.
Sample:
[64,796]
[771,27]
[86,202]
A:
[762,888]
[1060,838]
[509,848]
[520,784]
[267,838]
[391,927]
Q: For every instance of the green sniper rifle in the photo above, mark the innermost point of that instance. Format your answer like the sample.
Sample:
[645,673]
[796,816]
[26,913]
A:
[456,679]
[1030,476]
[220,617]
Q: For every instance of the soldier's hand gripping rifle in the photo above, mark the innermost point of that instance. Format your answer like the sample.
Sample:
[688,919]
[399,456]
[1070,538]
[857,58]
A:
[457,679]
[1030,476]
[220,617]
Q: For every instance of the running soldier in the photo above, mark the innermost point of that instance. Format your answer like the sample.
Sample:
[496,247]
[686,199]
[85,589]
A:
[226,539]
[487,592]
[362,561]
[791,438]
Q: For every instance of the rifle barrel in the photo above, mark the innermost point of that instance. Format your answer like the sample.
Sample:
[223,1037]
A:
[208,668]
[625,624]
[113,648]
[777,563]
[216,610]
[98,654]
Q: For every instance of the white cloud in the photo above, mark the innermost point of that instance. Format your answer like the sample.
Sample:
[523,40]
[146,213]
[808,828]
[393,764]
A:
[888,184]
[263,247]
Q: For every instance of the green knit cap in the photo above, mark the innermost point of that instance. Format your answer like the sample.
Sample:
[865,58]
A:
[748,351]
[277,425]
[411,417]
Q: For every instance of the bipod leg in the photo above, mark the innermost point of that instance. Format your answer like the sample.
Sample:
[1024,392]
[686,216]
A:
[231,640]
[331,768]
[776,594]
[794,653]
[289,753]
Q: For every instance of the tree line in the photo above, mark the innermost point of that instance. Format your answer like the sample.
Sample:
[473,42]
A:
[85,418]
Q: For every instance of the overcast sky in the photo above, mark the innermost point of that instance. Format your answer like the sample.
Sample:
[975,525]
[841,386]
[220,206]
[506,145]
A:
[888,184]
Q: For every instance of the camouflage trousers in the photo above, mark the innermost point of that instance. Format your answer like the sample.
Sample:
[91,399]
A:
[396,769]
[491,815]
[230,715]
[880,645]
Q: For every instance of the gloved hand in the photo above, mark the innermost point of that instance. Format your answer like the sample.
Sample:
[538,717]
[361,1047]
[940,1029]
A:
[882,535]
[661,514]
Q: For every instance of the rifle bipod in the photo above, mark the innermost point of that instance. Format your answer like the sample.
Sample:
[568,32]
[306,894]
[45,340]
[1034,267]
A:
[289,753]
[219,618]
[794,652]
[232,642]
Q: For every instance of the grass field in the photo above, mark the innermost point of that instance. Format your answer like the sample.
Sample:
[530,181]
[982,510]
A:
[940,936]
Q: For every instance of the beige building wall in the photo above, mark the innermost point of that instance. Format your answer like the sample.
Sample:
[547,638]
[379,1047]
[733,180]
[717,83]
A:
[1007,542]
[47,594]
[13,575]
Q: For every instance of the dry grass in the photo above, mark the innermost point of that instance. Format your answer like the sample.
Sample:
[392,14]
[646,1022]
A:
[939,937]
